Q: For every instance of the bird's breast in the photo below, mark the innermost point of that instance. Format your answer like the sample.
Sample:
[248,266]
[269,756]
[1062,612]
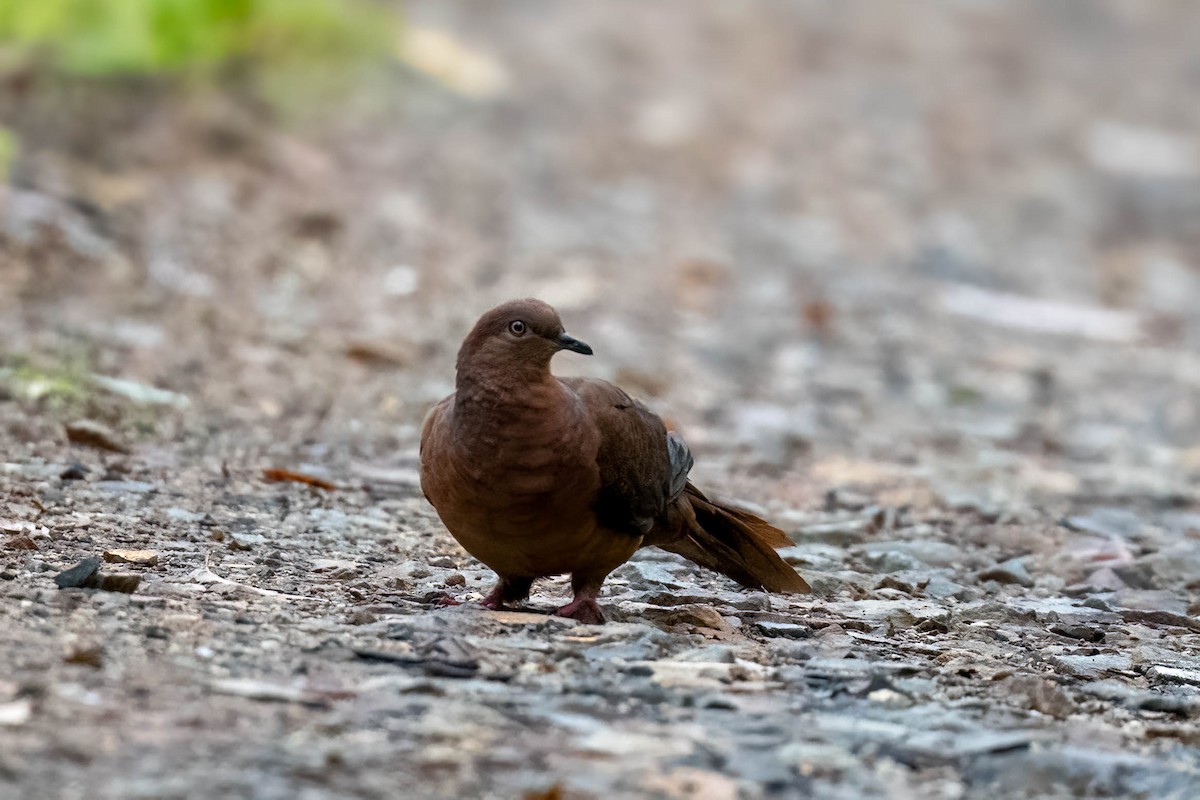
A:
[516,483]
[518,463]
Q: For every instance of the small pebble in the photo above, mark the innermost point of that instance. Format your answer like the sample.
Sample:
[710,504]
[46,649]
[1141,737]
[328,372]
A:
[82,575]
[362,617]
[75,472]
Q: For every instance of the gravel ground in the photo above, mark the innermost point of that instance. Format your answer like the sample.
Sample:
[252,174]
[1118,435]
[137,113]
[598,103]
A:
[917,281]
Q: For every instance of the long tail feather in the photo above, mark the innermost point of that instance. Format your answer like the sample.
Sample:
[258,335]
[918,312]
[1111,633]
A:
[734,542]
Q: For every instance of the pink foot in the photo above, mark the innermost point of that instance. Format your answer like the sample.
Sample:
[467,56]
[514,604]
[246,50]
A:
[447,600]
[507,590]
[583,608]
[494,601]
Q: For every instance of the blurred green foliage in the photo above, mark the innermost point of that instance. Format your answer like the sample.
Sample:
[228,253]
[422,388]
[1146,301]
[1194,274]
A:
[108,37]
[59,385]
[8,151]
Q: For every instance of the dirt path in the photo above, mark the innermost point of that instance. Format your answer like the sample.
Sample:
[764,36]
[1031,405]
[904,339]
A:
[812,234]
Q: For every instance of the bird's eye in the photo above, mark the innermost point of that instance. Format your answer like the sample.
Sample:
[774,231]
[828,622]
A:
[516,327]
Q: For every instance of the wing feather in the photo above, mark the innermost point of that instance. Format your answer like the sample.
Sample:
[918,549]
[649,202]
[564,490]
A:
[642,467]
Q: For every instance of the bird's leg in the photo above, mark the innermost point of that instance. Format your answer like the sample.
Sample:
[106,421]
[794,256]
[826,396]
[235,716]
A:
[508,590]
[584,607]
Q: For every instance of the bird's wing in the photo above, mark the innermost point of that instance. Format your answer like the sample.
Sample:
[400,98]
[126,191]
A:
[429,434]
[642,468]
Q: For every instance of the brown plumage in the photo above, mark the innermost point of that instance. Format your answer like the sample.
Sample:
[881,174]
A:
[536,475]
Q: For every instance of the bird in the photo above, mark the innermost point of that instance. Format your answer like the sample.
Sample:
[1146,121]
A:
[537,476]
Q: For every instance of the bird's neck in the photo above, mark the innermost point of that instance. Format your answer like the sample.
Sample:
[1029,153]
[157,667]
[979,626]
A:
[483,386]
[493,413]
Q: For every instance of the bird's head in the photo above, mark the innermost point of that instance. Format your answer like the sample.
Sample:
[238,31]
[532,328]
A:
[517,337]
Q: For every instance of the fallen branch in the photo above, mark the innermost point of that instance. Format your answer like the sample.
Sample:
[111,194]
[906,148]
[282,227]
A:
[206,575]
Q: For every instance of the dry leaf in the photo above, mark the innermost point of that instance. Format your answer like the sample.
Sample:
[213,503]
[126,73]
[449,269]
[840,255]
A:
[86,655]
[818,314]
[374,354]
[276,475]
[93,434]
[555,792]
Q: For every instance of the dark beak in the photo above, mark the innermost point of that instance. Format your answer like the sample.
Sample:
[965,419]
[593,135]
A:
[568,342]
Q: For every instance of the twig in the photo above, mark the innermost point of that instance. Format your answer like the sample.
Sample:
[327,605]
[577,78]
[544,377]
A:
[212,577]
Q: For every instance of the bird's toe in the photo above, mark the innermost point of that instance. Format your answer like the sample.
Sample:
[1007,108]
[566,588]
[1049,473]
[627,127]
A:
[585,610]
[493,601]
